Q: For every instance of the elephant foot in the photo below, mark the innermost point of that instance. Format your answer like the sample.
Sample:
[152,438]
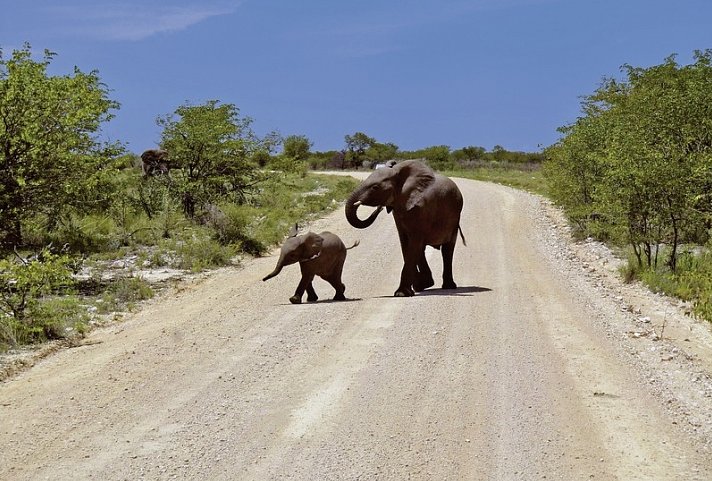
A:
[339,297]
[449,285]
[295,300]
[312,299]
[422,284]
[404,293]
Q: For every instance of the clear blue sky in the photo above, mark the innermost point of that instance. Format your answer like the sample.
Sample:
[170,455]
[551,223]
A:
[415,73]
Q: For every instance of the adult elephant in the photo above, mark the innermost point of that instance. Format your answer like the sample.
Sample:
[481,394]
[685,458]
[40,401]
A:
[426,207]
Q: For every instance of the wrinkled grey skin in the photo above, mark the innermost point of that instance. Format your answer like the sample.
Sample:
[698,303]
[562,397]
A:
[426,207]
[320,255]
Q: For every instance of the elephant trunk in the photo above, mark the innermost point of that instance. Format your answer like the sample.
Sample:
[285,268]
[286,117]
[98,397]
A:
[276,271]
[351,209]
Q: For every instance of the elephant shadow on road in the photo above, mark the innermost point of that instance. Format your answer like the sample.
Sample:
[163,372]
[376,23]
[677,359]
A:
[324,301]
[459,291]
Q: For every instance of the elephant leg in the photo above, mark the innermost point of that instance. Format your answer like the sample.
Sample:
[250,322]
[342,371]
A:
[339,287]
[408,272]
[412,254]
[424,276]
[335,280]
[304,285]
[448,250]
[311,293]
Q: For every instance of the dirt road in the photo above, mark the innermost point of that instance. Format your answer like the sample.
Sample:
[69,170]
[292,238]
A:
[538,367]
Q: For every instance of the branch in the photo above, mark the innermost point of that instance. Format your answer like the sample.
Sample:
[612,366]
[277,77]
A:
[23,260]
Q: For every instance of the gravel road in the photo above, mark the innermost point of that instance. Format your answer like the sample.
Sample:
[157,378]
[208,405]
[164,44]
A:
[541,365]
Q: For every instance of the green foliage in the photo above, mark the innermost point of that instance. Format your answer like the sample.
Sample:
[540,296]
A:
[199,253]
[23,285]
[639,160]
[86,233]
[297,147]
[49,156]
[470,153]
[438,157]
[362,151]
[54,318]
[326,160]
[149,194]
[235,228]
[691,281]
[124,293]
[533,181]
[378,152]
[294,157]
[210,146]
[293,199]
[356,147]
[289,165]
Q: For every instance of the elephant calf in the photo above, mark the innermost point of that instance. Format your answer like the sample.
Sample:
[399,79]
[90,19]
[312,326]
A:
[320,255]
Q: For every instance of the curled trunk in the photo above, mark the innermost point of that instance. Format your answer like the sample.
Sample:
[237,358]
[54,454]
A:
[351,209]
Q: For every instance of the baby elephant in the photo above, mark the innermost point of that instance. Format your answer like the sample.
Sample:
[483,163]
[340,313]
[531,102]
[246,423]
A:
[320,255]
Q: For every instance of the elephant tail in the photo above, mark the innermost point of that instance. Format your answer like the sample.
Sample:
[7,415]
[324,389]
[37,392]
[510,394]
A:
[355,244]
[462,236]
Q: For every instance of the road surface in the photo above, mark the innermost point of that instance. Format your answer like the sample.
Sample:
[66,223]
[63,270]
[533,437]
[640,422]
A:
[532,369]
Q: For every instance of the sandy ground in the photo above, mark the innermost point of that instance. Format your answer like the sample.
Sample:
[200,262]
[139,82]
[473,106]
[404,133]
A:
[541,365]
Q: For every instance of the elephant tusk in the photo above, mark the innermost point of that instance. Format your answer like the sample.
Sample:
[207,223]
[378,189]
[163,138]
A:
[357,203]
[312,257]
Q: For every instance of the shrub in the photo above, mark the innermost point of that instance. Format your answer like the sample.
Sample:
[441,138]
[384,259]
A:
[691,281]
[124,293]
[23,285]
[196,253]
[235,228]
[58,318]
[89,233]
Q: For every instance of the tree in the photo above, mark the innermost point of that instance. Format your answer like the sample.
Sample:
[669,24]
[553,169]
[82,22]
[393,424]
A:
[356,146]
[470,153]
[642,155]
[210,147]
[297,147]
[50,157]
[576,169]
[378,152]
[268,145]
[438,156]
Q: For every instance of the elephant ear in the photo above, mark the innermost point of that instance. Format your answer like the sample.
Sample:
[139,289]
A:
[418,177]
[312,246]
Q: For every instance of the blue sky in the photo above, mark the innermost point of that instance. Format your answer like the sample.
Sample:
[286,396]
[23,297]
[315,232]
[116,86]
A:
[415,73]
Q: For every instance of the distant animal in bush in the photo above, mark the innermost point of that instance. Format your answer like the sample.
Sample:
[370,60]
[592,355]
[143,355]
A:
[154,162]
[320,255]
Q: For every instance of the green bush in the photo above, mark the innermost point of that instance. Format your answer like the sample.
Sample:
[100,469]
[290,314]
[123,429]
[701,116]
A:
[292,199]
[195,253]
[86,233]
[58,318]
[235,228]
[24,287]
[691,281]
[124,293]
[203,253]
